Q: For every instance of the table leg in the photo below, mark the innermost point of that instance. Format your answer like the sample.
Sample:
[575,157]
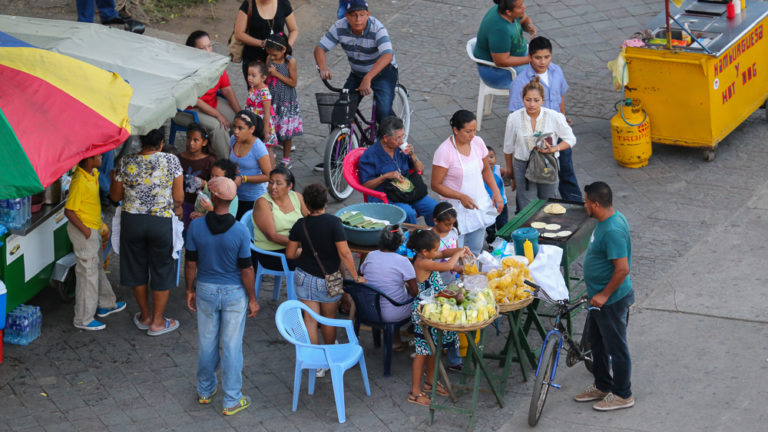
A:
[477,354]
[438,364]
[533,319]
[514,329]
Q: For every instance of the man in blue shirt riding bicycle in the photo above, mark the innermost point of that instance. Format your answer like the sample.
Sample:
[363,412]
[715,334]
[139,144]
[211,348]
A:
[366,42]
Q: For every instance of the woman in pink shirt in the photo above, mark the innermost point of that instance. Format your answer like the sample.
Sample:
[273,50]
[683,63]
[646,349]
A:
[459,169]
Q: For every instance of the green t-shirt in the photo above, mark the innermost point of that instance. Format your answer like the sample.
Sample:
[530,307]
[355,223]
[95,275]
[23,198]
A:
[497,35]
[610,241]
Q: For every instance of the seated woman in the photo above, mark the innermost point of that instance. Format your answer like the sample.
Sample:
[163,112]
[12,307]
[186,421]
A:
[386,163]
[520,138]
[392,274]
[274,214]
[500,40]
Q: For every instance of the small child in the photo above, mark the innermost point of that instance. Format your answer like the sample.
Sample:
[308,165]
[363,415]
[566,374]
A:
[260,102]
[426,244]
[196,162]
[221,168]
[283,76]
[93,292]
[498,175]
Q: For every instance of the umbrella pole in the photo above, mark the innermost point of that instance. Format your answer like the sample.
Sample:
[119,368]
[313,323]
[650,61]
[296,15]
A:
[669,27]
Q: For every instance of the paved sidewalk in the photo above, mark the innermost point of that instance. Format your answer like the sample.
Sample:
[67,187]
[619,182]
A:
[697,336]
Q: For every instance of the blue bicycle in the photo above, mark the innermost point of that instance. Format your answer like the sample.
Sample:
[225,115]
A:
[550,351]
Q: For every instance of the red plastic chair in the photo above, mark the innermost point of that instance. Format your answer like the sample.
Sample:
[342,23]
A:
[349,169]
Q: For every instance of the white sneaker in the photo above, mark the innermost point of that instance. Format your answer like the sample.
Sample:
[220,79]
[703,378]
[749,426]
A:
[319,373]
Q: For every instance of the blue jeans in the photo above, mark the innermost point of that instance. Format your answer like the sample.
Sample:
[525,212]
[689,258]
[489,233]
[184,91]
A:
[383,86]
[85,10]
[569,186]
[473,240]
[220,318]
[498,78]
[452,355]
[424,207]
[608,336]
[342,9]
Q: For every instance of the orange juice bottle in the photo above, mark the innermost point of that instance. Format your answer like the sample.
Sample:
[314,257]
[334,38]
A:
[528,250]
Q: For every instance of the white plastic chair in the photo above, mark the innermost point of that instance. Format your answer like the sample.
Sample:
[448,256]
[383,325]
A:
[485,93]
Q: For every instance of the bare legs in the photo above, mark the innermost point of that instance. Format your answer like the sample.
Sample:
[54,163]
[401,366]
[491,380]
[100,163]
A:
[327,310]
[153,318]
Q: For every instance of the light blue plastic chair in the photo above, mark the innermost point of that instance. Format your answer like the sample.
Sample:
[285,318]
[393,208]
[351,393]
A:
[262,271]
[336,357]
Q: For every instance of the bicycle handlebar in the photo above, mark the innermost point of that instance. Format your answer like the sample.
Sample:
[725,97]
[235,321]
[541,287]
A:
[565,305]
[332,88]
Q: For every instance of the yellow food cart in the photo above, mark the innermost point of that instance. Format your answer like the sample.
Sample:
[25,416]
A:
[700,84]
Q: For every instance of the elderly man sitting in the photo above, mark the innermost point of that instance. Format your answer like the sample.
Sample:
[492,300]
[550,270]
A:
[387,167]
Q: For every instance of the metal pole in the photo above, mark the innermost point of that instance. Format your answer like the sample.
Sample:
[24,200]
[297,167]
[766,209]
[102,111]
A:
[669,27]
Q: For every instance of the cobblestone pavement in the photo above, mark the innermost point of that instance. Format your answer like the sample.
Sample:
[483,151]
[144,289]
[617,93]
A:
[121,380]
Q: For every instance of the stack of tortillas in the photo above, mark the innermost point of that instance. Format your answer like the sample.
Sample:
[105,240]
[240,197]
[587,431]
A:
[554,208]
[550,228]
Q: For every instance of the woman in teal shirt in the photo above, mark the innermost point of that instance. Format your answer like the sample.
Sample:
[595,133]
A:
[500,40]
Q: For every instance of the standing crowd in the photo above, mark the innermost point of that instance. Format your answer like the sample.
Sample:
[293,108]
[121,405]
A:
[229,172]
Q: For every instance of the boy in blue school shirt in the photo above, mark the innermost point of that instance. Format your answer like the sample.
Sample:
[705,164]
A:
[555,87]
[498,175]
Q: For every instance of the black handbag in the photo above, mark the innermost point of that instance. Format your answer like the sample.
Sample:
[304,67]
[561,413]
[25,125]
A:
[395,194]
[334,283]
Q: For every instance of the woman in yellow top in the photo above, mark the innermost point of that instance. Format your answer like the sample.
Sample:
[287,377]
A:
[274,213]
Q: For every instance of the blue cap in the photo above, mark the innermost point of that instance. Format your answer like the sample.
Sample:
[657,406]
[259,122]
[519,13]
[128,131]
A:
[356,5]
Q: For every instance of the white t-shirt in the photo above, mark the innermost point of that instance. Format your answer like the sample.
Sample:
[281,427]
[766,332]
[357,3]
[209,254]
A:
[518,135]
[544,77]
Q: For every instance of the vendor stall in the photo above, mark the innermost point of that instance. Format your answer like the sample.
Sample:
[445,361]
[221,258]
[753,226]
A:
[701,73]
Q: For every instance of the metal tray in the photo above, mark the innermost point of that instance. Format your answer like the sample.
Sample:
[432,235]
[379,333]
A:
[574,218]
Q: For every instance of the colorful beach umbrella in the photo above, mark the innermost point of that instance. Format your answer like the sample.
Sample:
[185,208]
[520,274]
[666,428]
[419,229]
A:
[54,111]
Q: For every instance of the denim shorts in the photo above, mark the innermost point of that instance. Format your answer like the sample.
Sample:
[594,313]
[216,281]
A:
[311,288]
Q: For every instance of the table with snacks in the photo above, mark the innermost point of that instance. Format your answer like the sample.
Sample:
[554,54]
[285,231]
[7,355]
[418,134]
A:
[468,311]
[571,218]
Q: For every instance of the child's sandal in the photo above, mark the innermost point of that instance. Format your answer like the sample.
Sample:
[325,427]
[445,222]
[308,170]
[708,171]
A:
[419,399]
[441,390]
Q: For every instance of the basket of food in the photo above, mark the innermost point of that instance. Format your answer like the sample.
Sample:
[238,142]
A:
[508,286]
[363,222]
[459,310]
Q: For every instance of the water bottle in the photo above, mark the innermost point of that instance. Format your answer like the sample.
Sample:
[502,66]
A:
[27,209]
[4,212]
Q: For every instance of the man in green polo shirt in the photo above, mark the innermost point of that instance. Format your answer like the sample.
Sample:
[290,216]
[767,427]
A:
[609,287]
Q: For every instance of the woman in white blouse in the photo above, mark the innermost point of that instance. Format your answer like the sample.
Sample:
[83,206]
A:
[523,128]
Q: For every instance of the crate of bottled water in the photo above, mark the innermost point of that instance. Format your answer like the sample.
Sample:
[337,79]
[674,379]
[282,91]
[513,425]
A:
[22,325]
[14,213]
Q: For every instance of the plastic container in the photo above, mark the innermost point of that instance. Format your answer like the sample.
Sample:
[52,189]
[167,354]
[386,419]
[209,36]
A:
[23,325]
[520,235]
[370,237]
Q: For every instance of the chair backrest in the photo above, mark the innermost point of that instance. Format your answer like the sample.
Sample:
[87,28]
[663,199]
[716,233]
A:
[247,220]
[367,302]
[351,175]
[471,53]
[290,322]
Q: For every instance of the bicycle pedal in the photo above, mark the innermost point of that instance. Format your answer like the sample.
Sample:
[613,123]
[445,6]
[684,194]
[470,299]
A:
[557,386]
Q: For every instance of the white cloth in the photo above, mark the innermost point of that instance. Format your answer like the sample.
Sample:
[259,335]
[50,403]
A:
[518,136]
[473,185]
[116,230]
[545,270]
[178,237]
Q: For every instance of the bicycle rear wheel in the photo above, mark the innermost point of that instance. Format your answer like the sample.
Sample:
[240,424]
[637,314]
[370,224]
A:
[340,142]
[547,364]
[402,108]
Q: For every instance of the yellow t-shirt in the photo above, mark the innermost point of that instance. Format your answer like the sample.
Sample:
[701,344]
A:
[84,197]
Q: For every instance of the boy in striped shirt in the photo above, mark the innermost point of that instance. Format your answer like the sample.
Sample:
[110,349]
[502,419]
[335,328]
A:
[366,42]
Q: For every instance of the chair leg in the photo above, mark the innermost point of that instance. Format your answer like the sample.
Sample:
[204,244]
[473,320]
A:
[296,386]
[488,104]
[337,377]
[257,284]
[290,289]
[364,371]
[311,381]
[480,104]
[388,335]
[376,337]
[276,289]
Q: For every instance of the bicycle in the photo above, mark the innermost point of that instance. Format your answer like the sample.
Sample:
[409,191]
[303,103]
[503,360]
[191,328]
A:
[350,128]
[550,351]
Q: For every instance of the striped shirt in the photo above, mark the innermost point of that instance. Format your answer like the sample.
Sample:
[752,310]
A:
[362,51]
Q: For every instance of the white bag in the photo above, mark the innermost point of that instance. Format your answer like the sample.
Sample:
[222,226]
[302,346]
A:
[116,230]
[545,270]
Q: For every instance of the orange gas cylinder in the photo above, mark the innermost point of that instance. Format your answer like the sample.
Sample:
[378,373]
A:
[631,134]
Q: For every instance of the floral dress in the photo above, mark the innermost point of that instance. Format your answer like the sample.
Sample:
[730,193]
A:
[432,285]
[255,103]
[148,182]
[288,123]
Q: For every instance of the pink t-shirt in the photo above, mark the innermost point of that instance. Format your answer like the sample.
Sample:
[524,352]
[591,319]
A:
[447,157]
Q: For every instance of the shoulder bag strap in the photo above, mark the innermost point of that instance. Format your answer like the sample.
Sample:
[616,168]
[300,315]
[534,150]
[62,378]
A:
[314,252]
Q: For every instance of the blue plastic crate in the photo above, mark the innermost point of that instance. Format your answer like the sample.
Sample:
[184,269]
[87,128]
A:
[3,295]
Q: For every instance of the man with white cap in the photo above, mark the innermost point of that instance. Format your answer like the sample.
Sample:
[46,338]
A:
[219,255]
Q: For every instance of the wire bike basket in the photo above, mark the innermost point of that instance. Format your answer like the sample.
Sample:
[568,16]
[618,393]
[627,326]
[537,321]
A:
[337,108]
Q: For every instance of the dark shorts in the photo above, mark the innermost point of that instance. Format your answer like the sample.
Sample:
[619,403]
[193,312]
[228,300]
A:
[270,262]
[146,243]
[242,207]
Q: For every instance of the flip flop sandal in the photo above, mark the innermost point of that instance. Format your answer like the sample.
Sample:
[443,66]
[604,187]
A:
[419,397]
[440,389]
[170,325]
[137,322]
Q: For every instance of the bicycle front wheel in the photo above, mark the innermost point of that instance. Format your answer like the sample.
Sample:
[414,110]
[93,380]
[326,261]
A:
[547,364]
[339,144]
[402,108]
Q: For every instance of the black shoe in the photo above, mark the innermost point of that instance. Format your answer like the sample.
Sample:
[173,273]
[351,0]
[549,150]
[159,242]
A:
[134,26]
[116,20]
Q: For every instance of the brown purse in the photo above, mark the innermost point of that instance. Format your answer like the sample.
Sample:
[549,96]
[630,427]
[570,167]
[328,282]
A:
[334,283]
[235,45]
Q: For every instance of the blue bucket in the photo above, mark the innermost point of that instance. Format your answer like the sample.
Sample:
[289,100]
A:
[520,235]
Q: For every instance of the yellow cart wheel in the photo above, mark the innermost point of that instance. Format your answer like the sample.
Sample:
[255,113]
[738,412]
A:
[709,155]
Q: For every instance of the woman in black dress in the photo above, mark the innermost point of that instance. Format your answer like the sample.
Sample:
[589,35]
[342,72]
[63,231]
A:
[267,17]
